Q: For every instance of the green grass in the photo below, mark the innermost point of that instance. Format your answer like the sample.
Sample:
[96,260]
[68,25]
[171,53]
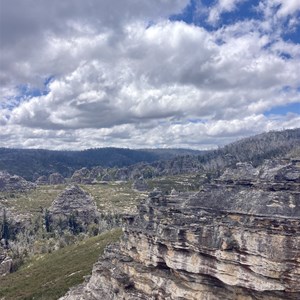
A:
[50,276]
[31,201]
[113,197]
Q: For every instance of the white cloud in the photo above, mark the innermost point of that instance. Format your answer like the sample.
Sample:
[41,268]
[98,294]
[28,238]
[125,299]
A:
[205,135]
[221,7]
[287,7]
[120,82]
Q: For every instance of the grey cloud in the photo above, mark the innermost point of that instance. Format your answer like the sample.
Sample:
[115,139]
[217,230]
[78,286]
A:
[119,82]
[27,27]
[196,135]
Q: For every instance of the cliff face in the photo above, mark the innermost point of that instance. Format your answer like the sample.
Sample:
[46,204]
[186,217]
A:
[238,238]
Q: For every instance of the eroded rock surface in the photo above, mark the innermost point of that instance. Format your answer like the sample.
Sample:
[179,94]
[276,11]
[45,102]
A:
[56,178]
[236,238]
[5,263]
[14,183]
[81,176]
[74,203]
[140,185]
[42,180]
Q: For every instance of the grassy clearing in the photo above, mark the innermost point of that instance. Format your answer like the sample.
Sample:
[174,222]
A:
[31,201]
[115,197]
[112,197]
[50,276]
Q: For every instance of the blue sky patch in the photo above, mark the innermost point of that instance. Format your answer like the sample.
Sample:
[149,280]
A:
[283,110]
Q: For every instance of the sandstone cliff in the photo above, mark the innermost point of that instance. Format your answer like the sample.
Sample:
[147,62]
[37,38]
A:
[237,238]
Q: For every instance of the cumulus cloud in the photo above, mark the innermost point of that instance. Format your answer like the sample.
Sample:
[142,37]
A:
[222,6]
[122,74]
[286,7]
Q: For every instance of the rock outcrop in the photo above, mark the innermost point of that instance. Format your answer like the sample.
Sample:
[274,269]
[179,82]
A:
[140,185]
[73,205]
[5,262]
[56,178]
[9,183]
[42,180]
[236,238]
[81,176]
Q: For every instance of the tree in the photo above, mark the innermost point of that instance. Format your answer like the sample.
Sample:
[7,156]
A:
[74,226]
[48,221]
[5,228]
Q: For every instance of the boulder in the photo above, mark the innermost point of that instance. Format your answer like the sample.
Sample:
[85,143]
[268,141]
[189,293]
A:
[42,180]
[56,178]
[81,176]
[140,185]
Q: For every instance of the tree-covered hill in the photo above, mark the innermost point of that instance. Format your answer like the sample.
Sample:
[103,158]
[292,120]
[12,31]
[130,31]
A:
[31,163]
[254,149]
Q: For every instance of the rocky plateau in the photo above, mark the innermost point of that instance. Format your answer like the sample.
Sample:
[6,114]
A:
[238,238]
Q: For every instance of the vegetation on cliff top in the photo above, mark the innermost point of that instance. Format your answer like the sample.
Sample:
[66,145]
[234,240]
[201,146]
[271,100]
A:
[49,276]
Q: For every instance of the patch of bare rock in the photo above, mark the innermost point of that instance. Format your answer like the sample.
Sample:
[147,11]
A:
[53,179]
[5,262]
[14,183]
[73,205]
[238,238]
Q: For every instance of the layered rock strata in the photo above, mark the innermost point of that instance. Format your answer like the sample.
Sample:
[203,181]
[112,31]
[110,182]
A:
[237,238]
[73,204]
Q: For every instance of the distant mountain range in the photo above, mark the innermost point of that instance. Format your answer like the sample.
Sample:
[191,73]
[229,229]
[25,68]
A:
[31,163]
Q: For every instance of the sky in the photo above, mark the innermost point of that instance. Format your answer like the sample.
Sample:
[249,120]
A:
[145,74]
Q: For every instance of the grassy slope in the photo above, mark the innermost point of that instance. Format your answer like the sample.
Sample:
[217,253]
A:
[50,276]
[31,201]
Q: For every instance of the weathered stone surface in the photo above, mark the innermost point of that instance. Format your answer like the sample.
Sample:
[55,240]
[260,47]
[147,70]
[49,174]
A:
[9,183]
[122,174]
[75,202]
[236,238]
[140,185]
[56,178]
[106,177]
[42,180]
[244,172]
[5,262]
[96,173]
[81,176]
